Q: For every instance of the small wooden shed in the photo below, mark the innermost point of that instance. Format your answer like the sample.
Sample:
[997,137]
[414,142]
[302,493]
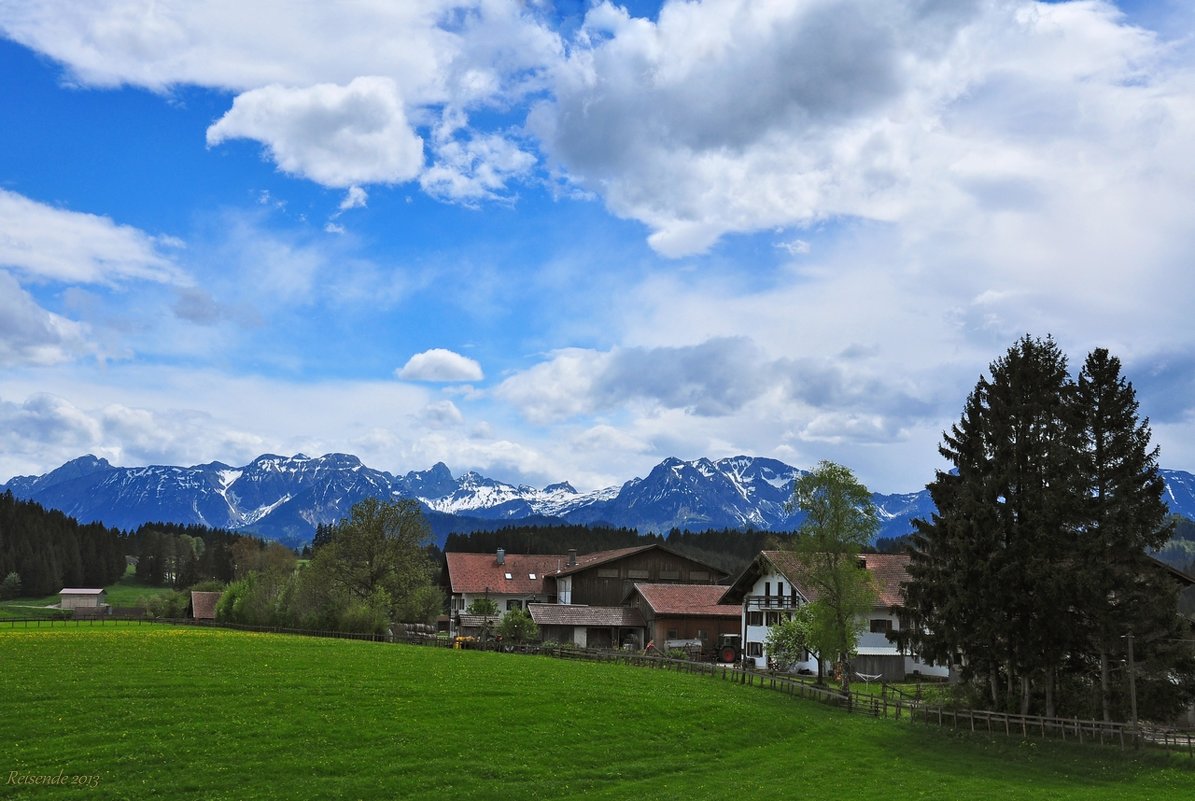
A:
[203,605]
[82,598]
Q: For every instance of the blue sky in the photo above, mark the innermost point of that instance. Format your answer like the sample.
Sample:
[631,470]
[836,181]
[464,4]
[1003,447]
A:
[563,241]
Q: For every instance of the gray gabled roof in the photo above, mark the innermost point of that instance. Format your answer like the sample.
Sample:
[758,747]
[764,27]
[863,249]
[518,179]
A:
[577,615]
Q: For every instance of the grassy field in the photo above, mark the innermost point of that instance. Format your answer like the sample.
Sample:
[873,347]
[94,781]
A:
[141,711]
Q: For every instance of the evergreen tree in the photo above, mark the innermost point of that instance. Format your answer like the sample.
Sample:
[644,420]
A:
[989,570]
[1124,517]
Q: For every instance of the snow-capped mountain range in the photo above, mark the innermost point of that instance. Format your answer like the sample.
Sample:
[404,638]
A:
[285,498]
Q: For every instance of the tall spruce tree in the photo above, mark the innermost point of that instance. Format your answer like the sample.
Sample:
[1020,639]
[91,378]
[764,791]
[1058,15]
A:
[988,572]
[1124,517]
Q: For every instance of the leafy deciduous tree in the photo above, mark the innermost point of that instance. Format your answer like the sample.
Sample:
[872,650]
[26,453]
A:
[841,520]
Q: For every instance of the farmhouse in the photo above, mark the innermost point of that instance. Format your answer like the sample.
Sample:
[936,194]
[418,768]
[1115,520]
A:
[510,580]
[76,598]
[687,616]
[770,589]
[599,579]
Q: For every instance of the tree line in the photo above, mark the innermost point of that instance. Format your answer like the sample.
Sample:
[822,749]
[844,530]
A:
[42,551]
[1033,578]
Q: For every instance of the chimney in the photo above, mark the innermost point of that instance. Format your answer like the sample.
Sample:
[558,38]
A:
[501,556]
[572,557]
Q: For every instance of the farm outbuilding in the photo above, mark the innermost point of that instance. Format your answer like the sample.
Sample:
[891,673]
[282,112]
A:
[82,598]
[589,626]
[203,605]
[683,615]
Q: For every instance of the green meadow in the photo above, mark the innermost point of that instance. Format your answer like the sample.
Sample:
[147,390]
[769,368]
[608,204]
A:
[138,711]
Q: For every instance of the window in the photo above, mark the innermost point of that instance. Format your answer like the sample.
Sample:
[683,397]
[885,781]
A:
[670,575]
[767,588]
[672,634]
[634,573]
[754,649]
[531,576]
[780,588]
[607,572]
[775,618]
[700,634]
[881,625]
[514,604]
[755,618]
[699,575]
[509,577]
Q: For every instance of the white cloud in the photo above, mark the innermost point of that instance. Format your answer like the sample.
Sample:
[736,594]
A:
[54,244]
[335,135]
[741,117]
[439,364]
[333,93]
[31,335]
[355,198]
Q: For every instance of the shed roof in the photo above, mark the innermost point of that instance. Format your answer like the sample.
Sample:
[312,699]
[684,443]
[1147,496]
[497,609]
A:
[696,600]
[477,621]
[203,605]
[80,591]
[577,615]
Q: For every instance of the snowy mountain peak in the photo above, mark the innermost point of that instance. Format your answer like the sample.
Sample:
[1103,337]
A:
[285,498]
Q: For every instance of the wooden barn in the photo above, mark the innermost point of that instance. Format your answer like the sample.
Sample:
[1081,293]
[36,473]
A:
[606,578]
[683,615]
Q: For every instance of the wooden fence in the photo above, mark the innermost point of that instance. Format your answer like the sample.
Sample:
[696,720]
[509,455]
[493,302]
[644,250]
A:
[890,703]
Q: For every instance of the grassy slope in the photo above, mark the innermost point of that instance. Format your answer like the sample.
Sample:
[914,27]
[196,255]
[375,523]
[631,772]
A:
[214,714]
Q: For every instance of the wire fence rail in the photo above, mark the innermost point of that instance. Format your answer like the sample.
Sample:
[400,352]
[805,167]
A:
[890,703]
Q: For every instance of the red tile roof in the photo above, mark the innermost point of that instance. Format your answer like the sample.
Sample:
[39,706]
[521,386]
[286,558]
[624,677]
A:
[888,569]
[698,600]
[577,615]
[474,572]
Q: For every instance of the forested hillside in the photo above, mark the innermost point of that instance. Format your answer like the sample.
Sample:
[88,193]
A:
[46,550]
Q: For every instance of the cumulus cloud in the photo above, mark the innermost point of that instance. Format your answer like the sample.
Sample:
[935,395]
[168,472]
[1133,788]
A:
[334,94]
[55,244]
[439,364]
[335,135]
[739,116]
